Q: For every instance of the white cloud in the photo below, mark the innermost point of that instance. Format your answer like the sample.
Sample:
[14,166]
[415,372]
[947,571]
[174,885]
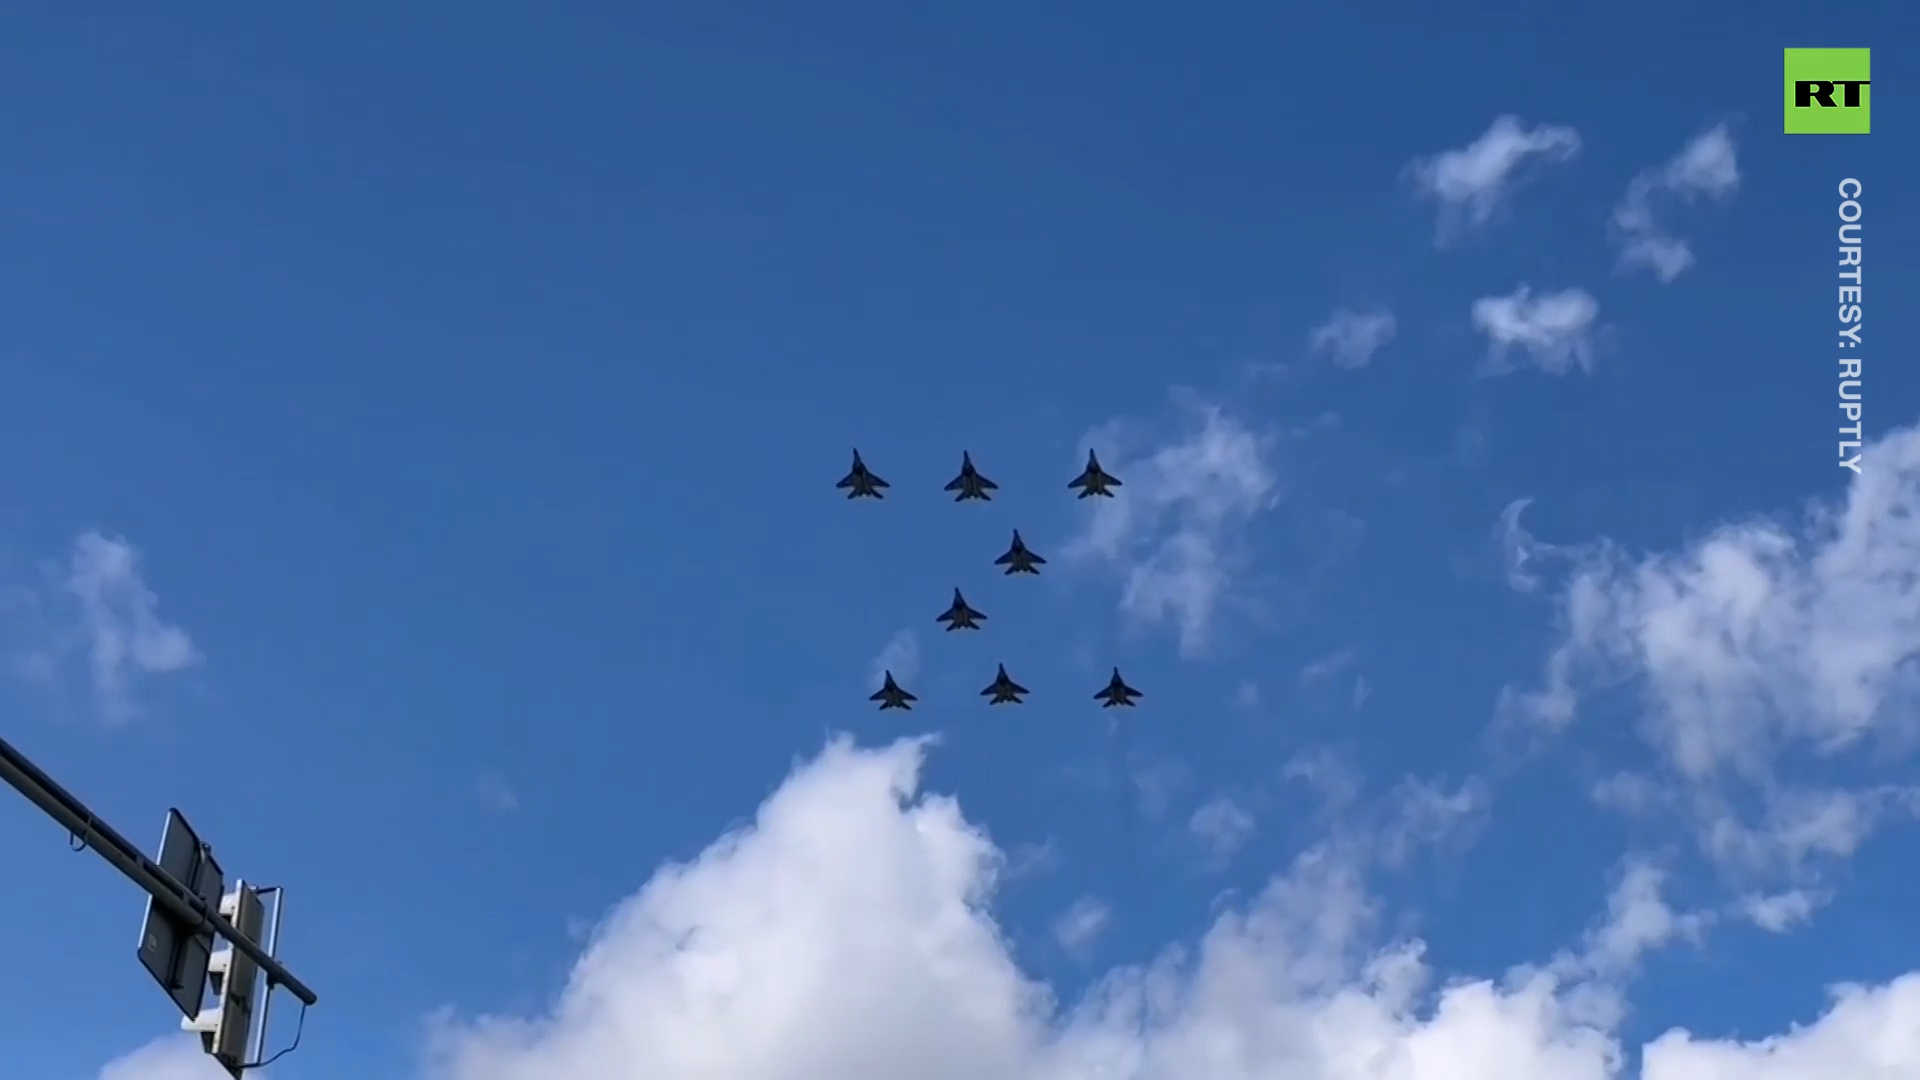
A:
[176,1057]
[1080,924]
[900,655]
[1246,695]
[1329,665]
[1555,331]
[1761,637]
[1638,921]
[1175,529]
[1473,182]
[1779,912]
[846,932]
[1422,813]
[1870,1033]
[1704,168]
[1352,337]
[1223,827]
[125,637]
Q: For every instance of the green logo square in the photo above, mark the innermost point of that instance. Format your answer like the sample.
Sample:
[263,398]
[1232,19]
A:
[1827,91]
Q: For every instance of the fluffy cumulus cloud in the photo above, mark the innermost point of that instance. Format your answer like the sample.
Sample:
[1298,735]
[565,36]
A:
[1176,531]
[1473,182]
[1755,650]
[847,932]
[1554,331]
[1705,168]
[1350,338]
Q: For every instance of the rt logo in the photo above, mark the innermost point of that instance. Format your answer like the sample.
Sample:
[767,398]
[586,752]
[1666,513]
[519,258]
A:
[1827,92]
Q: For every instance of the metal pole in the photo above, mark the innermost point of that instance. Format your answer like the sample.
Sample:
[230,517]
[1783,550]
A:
[61,806]
[273,950]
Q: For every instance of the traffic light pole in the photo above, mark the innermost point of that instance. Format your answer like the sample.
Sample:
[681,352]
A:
[177,899]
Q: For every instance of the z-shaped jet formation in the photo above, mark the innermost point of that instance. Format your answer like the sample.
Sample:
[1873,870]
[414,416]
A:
[1117,692]
[1018,560]
[970,484]
[960,616]
[1094,480]
[861,482]
[891,696]
[1003,690]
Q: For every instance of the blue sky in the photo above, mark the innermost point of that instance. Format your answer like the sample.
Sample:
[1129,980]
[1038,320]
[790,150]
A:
[425,423]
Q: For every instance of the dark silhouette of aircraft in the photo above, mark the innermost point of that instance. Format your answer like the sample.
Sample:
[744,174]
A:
[970,484]
[960,616]
[1018,560]
[1094,480]
[891,696]
[1117,692]
[862,482]
[1003,690]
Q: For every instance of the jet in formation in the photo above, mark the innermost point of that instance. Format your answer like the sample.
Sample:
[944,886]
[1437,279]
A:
[1117,692]
[1003,690]
[861,482]
[891,696]
[1094,480]
[960,616]
[970,483]
[1018,560]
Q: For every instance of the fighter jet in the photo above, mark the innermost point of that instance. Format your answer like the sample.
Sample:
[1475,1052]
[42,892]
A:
[1117,693]
[970,484]
[891,696]
[1018,560]
[1003,690]
[860,482]
[960,616]
[1094,480]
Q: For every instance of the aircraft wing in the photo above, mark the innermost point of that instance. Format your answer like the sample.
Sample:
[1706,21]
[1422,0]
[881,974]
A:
[1085,478]
[908,696]
[955,484]
[878,695]
[1016,687]
[848,480]
[986,484]
[1004,559]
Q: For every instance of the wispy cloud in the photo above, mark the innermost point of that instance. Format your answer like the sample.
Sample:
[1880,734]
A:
[1554,331]
[900,655]
[1175,529]
[1351,338]
[98,606]
[1760,637]
[1639,919]
[1223,827]
[1326,667]
[1472,183]
[1246,695]
[1777,913]
[1706,168]
[1080,925]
